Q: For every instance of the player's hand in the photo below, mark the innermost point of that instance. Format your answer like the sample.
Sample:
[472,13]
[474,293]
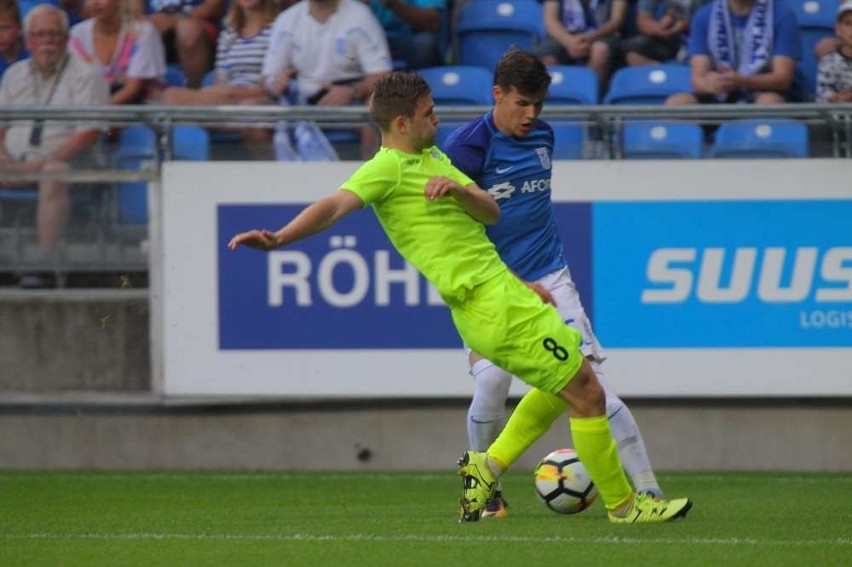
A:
[440,186]
[258,239]
[541,292]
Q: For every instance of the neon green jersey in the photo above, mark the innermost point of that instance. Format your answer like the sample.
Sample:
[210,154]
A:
[440,239]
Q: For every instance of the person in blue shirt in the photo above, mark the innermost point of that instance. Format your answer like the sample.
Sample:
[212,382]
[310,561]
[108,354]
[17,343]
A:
[744,51]
[12,47]
[412,30]
[508,152]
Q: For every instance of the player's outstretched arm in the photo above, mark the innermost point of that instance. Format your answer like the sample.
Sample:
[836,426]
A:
[476,202]
[315,218]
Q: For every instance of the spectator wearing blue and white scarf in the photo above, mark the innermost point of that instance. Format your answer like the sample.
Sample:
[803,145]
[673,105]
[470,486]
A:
[744,51]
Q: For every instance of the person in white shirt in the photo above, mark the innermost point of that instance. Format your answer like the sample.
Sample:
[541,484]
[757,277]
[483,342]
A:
[329,53]
[51,77]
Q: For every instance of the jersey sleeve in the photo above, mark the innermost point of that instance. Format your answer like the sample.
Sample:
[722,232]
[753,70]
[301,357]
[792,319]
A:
[375,180]
[788,41]
[148,58]
[454,172]
[698,31]
[464,153]
[371,46]
[277,58]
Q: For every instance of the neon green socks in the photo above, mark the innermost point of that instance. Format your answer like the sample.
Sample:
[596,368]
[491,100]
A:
[597,450]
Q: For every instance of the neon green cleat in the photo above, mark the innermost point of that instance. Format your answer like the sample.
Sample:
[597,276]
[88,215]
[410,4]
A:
[478,485]
[496,507]
[646,509]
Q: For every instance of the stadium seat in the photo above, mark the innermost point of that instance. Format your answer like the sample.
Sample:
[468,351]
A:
[761,138]
[487,28]
[190,143]
[816,21]
[24,6]
[662,140]
[175,76]
[648,84]
[136,145]
[569,139]
[572,85]
[457,85]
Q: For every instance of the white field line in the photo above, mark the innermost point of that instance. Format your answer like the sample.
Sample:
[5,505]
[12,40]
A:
[806,478]
[839,542]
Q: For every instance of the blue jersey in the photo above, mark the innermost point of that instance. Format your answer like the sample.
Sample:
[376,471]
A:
[516,172]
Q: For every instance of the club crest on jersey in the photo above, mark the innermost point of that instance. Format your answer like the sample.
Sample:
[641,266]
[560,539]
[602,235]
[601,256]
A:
[543,157]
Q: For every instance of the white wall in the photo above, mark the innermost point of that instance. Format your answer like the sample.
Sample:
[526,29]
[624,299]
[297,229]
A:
[790,338]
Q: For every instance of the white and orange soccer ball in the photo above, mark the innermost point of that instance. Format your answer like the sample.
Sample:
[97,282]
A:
[563,484]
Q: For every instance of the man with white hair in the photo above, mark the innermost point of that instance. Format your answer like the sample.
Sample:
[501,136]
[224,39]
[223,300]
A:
[51,77]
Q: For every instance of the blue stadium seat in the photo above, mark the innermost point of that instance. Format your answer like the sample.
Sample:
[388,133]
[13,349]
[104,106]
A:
[816,21]
[175,76]
[761,138]
[457,85]
[572,85]
[24,6]
[569,139]
[487,28]
[190,143]
[648,84]
[662,140]
[136,145]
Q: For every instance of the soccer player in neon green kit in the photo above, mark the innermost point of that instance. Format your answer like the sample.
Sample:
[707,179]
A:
[435,215]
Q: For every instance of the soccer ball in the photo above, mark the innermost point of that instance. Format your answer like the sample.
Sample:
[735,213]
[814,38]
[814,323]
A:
[563,484]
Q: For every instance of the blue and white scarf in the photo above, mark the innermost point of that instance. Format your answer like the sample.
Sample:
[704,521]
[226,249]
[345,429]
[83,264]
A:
[577,17]
[755,52]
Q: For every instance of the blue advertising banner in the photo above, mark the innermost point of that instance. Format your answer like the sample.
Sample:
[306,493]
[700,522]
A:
[344,289]
[723,273]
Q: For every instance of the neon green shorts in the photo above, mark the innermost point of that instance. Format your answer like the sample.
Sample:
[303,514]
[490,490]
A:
[508,324]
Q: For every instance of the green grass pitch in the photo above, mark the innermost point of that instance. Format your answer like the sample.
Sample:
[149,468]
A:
[406,519]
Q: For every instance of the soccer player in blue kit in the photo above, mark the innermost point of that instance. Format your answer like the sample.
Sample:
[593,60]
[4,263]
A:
[508,153]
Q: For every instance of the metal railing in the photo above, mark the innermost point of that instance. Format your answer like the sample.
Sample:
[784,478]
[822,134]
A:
[607,119]
[112,245]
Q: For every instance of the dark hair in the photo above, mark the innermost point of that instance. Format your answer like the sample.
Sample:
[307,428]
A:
[9,9]
[396,94]
[523,71]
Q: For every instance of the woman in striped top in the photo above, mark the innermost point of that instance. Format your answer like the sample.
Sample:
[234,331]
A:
[239,59]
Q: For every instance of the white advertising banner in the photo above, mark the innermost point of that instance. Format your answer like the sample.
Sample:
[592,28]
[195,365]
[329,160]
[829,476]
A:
[719,278]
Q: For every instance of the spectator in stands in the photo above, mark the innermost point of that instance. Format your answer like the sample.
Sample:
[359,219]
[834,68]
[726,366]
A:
[834,77]
[12,47]
[412,28]
[743,51]
[125,46]
[76,10]
[581,32]
[242,46]
[190,29]
[52,77]
[328,53]
[664,38]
